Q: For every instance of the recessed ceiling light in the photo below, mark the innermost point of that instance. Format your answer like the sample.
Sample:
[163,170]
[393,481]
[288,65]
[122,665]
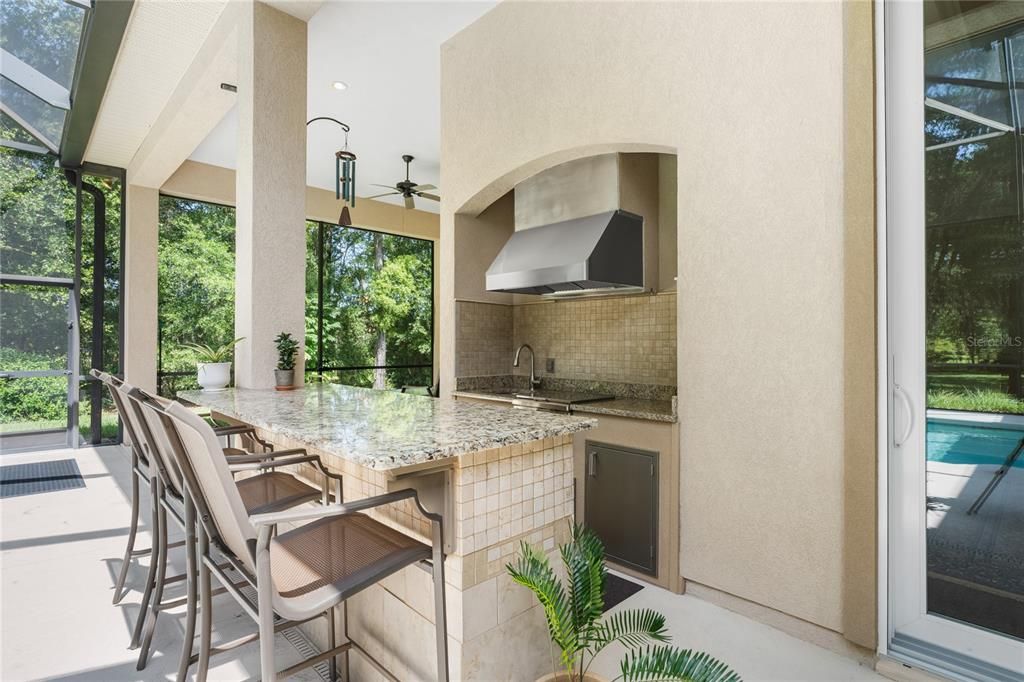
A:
[339,85]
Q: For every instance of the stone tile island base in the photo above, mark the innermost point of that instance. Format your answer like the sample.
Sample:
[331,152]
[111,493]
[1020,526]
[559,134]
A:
[496,629]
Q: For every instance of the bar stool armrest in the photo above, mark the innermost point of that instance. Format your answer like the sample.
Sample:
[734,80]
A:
[233,429]
[311,513]
[264,456]
[259,465]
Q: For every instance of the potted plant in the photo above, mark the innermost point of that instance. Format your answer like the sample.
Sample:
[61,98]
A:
[213,364]
[575,624]
[284,375]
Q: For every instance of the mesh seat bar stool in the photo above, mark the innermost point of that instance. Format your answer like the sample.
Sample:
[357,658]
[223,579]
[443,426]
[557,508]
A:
[271,491]
[140,472]
[298,574]
[140,467]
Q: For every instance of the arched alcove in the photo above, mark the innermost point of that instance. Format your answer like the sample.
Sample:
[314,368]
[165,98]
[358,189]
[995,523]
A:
[479,200]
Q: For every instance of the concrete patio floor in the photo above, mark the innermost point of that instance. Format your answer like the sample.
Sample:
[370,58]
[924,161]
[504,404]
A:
[60,553]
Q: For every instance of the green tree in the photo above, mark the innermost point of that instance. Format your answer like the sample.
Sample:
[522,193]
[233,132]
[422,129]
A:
[196,282]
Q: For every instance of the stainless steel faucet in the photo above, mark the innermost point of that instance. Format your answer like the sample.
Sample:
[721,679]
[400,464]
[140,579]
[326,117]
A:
[534,381]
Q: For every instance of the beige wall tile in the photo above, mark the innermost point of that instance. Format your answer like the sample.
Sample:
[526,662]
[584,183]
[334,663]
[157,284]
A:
[629,339]
[625,339]
[479,608]
[484,339]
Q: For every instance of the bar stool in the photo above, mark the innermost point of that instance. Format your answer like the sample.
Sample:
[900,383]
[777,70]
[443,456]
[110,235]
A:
[300,574]
[265,492]
[140,468]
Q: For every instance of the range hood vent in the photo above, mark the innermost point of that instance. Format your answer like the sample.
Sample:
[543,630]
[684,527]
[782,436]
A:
[598,253]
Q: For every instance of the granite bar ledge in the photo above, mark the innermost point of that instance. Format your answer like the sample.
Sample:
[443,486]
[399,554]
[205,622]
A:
[384,430]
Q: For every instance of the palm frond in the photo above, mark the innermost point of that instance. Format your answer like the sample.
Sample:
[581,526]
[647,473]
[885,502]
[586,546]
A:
[584,566]
[634,628]
[665,663]
[533,571]
[206,353]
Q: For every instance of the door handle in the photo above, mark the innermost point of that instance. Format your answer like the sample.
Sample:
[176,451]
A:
[909,408]
[592,464]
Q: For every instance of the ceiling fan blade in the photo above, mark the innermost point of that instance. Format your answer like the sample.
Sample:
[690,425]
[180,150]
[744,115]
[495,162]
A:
[386,187]
[377,196]
[423,188]
[432,197]
[409,203]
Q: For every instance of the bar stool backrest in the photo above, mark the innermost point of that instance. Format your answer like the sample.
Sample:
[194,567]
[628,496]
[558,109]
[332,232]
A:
[195,443]
[112,383]
[152,431]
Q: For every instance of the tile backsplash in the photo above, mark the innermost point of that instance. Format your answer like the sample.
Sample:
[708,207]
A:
[483,339]
[617,339]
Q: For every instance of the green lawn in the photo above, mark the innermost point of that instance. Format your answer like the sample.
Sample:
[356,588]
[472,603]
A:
[109,426]
[972,393]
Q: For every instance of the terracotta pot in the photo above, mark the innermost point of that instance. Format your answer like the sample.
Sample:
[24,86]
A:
[214,376]
[562,676]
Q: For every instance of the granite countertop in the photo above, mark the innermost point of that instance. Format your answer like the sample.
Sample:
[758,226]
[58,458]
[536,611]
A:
[384,430]
[634,408]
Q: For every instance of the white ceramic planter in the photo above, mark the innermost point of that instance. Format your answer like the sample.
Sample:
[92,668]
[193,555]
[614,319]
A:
[214,376]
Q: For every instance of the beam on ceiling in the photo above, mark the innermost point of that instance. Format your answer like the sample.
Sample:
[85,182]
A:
[195,107]
[97,52]
[24,146]
[34,82]
[29,128]
[933,103]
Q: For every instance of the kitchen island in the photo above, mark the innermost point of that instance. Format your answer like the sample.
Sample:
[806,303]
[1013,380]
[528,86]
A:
[498,476]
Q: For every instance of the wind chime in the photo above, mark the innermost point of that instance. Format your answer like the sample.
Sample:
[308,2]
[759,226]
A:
[344,172]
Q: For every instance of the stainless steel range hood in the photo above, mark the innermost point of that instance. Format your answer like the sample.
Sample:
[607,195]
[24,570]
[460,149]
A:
[591,254]
[572,236]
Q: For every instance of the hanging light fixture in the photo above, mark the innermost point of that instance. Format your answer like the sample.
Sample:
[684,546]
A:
[344,172]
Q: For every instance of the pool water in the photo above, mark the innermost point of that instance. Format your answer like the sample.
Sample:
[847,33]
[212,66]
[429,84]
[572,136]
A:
[958,443]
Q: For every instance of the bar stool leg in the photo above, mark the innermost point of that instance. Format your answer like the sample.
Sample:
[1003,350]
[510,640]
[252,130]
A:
[344,625]
[332,637]
[190,601]
[154,560]
[158,592]
[265,606]
[440,610]
[205,607]
[119,590]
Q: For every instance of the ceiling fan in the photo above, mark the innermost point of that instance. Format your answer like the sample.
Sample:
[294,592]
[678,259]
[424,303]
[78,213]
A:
[407,188]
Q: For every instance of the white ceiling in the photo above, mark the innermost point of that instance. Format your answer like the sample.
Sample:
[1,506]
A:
[161,41]
[389,55]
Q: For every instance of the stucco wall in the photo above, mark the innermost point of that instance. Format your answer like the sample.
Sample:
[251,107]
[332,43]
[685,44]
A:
[772,258]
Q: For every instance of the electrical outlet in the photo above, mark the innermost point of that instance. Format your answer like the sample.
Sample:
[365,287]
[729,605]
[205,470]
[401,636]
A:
[549,365]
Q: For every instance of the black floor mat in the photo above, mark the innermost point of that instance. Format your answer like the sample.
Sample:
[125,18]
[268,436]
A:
[40,477]
[617,590]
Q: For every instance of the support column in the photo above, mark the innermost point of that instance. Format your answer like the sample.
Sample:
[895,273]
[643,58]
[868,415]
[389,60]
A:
[142,218]
[270,186]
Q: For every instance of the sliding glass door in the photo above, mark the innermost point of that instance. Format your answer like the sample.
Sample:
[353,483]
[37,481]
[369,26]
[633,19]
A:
[954,168]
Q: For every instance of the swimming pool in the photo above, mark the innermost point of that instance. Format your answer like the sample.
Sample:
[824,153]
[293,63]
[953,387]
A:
[962,442]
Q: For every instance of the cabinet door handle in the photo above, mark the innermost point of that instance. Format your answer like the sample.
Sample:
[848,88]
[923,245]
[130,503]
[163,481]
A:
[592,464]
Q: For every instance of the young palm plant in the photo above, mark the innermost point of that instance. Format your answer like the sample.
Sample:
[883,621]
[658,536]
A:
[212,354]
[574,610]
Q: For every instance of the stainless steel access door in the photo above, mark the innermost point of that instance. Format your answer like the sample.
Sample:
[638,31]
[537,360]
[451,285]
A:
[621,503]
